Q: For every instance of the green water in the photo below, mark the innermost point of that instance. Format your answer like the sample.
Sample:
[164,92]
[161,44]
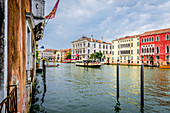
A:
[72,89]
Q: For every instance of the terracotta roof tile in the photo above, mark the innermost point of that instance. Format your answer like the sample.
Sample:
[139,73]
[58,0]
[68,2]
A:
[156,32]
[50,50]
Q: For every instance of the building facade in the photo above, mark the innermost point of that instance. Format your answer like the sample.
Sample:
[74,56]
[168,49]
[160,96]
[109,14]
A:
[84,47]
[126,50]
[49,54]
[19,50]
[154,47]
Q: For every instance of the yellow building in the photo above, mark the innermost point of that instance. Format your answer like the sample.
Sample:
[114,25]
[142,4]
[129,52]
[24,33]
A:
[126,50]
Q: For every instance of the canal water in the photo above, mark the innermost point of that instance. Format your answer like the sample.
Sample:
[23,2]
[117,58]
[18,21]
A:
[72,89]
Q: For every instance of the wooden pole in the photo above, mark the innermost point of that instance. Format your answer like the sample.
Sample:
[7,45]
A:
[142,87]
[117,81]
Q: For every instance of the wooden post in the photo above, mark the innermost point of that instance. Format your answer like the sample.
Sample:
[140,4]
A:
[142,87]
[117,81]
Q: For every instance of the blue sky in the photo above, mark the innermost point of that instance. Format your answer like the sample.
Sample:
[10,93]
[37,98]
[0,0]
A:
[108,18]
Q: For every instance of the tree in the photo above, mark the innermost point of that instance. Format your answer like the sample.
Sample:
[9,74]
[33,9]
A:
[97,55]
[100,55]
[68,55]
[92,56]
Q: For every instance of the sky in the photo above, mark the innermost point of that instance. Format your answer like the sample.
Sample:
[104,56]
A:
[111,19]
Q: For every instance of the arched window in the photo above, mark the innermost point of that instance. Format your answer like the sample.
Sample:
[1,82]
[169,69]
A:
[147,50]
[150,50]
[153,50]
[142,50]
[167,37]
[157,49]
[167,49]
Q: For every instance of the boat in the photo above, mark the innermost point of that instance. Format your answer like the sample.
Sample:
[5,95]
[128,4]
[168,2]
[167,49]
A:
[53,65]
[88,63]
[164,66]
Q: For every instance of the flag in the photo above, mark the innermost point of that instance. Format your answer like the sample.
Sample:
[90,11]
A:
[53,12]
[42,47]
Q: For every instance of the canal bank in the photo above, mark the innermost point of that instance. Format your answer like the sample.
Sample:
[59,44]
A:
[86,90]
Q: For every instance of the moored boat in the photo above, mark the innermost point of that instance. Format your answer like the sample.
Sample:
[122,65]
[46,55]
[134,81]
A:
[88,63]
[164,66]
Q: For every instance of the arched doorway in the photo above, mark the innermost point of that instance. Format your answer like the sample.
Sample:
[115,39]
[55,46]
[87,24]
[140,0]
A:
[151,60]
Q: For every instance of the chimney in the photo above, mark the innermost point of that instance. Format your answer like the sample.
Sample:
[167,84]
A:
[91,37]
[102,39]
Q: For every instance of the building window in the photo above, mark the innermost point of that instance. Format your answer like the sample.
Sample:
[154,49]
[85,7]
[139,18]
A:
[124,58]
[167,57]
[106,52]
[112,58]
[147,57]
[142,40]
[88,51]
[121,58]
[149,39]
[152,39]
[118,46]
[142,57]
[131,57]
[103,52]
[157,49]
[112,52]
[167,49]
[112,46]
[131,51]
[94,51]
[137,43]
[167,37]
[118,52]
[138,51]
[131,44]
[153,50]
[145,39]
[88,44]
[106,47]
[94,45]
[157,57]
[103,46]
[157,38]
[137,57]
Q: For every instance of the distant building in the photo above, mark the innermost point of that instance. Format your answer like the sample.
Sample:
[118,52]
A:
[154,47]
[126,50]
[48,54]
[61,54]
[84,46]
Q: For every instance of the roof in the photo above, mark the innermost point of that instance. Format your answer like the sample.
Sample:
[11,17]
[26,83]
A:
[62,50]
[167,30]
[50,50]
[89,39]
[127,37]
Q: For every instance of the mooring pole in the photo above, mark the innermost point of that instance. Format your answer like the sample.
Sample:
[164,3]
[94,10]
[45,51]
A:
[142,87]
[117,81]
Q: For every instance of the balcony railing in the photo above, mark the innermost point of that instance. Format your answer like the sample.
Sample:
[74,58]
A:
[9,104]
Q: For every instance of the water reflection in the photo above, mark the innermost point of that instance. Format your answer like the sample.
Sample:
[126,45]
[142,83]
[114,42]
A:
[72,89]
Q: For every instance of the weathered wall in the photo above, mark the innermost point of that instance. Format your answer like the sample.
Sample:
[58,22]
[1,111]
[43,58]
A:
[2,36]
[17,47]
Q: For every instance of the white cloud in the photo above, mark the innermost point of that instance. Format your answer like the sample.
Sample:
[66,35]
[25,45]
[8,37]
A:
[110,19]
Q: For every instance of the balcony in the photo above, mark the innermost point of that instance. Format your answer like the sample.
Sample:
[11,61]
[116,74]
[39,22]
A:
[9,104]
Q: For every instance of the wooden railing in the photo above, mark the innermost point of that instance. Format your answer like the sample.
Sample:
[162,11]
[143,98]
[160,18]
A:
[9,104]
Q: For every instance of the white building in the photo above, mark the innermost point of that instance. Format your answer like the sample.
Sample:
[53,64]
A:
[84,46]
[48,54]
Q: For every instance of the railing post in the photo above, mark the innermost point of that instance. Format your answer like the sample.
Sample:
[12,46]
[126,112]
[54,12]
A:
[117,81]
[142,87]
[16,98]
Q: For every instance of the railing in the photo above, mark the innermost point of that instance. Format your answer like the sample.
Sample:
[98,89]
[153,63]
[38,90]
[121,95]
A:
[9,104]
